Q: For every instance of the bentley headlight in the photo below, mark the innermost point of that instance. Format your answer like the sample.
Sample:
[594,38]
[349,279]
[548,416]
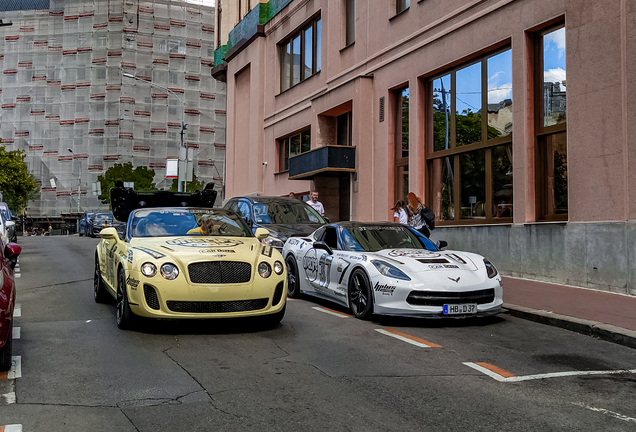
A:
[148,269]
[389,270]
[265,270]
[273,242]
[169,271]
[278,268]
[491,270]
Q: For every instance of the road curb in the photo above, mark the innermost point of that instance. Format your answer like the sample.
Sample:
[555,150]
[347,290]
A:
[602,331]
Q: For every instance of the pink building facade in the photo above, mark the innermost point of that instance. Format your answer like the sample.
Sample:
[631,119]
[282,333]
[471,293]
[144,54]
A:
[510,118]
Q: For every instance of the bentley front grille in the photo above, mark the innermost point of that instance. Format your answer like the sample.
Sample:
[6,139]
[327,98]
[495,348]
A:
[151,297]
[217,307]
[220,272]
[440,298]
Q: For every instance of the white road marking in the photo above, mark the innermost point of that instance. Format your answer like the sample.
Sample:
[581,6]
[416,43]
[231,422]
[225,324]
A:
[604,411]
[88,321]
[16,332]
[544,376]
[13,428]
[17,275]
[17,269]
[9,398]
[16,368]
[17,312]
[402,338]
[329,312]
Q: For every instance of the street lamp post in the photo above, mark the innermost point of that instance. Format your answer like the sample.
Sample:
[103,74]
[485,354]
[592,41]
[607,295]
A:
[79,183]
[182,131]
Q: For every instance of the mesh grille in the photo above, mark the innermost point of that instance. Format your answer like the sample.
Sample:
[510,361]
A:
[217,307]
[433,261]
[151,297]
[220,272]
[278,294]
[440,298]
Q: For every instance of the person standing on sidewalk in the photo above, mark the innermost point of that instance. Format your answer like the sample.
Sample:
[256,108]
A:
[416,220]
[400,214]
[317,205]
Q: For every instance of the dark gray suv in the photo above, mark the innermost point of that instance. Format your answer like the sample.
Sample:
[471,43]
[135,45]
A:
[283,217]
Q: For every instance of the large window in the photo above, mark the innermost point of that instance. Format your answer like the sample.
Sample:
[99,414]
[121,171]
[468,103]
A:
[469,154]
[551,124]
[300,55]
[350,21]
[402,5]
[401,139]
[292,145]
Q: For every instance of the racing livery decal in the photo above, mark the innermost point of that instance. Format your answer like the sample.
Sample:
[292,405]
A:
[204,243]
[152,253]
[310,264]
[384,289]
[132,282]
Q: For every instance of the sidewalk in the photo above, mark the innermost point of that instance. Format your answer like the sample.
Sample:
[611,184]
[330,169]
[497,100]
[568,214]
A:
[601,314]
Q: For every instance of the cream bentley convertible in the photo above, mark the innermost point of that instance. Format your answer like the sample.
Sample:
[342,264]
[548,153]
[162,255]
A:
[186,261]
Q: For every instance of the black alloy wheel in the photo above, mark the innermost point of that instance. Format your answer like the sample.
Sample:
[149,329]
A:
[99,290]
[125,317]
[360,294]
[6,351]
[293,281]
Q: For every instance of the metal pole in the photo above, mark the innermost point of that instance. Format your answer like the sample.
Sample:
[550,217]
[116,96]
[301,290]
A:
[183,125]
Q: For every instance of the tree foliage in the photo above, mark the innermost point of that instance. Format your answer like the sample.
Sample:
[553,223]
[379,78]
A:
[192,186]
[17,184]
[141,176]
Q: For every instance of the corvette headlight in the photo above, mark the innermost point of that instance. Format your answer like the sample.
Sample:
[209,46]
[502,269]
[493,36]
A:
[169,271]
[491,270]
[148,269]
[265,270]
[278,268]
[273,242]
[389,270]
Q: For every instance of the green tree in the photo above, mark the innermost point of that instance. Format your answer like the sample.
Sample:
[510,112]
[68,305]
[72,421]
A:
[141,176]
[192,186]
[16,182]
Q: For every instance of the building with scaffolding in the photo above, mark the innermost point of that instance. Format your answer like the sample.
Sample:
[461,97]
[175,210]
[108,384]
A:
[69,102]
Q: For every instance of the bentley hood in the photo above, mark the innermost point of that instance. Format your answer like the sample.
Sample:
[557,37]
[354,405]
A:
[186,250]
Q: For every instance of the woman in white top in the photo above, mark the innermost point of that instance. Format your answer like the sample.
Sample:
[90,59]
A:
[399,213]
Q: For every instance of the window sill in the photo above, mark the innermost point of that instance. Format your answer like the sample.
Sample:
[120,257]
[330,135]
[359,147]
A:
[473,225]
[281,172]
[399,14]
[555,222]
[348,46]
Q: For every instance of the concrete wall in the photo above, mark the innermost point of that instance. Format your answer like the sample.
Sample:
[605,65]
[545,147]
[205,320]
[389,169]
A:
[592,255]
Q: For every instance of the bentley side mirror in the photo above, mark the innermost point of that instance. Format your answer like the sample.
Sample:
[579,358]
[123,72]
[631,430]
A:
[109,233]
[322,245]
[261,233]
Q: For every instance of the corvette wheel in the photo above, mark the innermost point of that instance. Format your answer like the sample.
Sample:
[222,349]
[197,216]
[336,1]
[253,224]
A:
[360,295]
[293,281]
[125,317]
[99,291]
[6,350]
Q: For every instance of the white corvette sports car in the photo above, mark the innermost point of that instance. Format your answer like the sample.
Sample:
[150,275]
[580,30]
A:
[390,269]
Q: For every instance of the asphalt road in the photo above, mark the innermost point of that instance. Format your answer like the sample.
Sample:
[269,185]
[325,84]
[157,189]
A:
[315,371]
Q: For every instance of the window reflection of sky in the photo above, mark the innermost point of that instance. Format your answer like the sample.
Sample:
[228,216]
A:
[500,77]
[554,56]
[468,89]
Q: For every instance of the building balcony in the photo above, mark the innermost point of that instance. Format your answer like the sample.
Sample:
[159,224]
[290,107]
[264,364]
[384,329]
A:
[323,160]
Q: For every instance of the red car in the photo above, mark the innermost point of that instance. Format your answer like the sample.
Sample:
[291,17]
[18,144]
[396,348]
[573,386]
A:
[8,260]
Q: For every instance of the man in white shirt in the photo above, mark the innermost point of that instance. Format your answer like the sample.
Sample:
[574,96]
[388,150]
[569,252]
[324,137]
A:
[317,205]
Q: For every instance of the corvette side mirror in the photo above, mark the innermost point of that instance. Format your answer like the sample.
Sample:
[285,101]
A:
[442,244]
[322,245]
